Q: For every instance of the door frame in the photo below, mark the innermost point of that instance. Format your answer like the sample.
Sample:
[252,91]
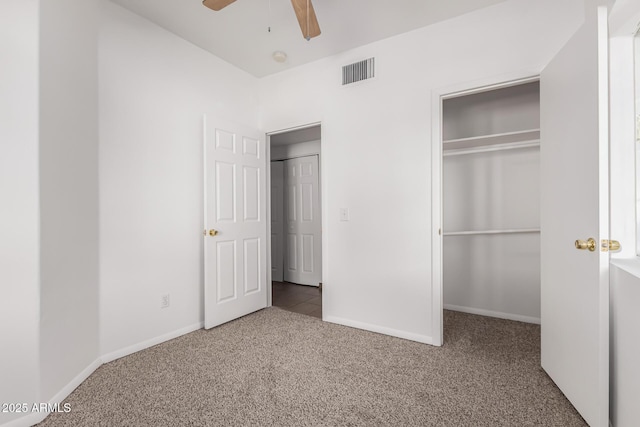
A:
[322,205]
[437,98]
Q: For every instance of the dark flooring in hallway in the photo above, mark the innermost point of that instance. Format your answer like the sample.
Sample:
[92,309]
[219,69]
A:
[297,298]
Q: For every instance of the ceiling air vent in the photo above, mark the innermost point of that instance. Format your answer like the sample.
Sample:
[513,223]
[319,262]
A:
[358,71]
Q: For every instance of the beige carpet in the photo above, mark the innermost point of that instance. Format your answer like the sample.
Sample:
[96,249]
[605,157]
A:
[279,368]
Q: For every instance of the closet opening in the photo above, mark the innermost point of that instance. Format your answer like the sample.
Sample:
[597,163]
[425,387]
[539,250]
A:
[491,203]
[296,223]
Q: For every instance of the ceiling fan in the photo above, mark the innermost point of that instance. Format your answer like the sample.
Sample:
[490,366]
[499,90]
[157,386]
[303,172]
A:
[303,8]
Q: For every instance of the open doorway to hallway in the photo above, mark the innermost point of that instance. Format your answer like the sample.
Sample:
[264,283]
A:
[297,298]
[296,232]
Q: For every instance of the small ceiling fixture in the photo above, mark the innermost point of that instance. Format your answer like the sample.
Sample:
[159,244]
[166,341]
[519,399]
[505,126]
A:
[279,56]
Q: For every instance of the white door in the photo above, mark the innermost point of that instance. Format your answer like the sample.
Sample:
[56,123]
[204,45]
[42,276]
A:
[303,262]
[277,221]
[235,272]
[574,205]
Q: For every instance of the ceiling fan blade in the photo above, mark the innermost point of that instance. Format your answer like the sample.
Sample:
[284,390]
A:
[300,6]
[217,4]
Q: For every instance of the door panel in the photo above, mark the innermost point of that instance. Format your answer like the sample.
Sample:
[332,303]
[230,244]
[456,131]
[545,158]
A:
[307,202]
[251,147]
[277,221]
[225,192]
[235,271]
[574,205]
[225,140]
[292,252]
[225,264]
[251,193]
[252,279]
[307,253]
[292,200]
[304,260]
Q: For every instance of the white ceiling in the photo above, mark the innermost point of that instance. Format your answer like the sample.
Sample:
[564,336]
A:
[239,33]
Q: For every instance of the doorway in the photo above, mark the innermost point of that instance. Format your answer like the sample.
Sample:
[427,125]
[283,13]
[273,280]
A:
[490,196]
[295,220]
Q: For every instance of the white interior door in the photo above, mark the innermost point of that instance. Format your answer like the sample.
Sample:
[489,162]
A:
[574,205]
[277,221]
[235,273]
[303,262]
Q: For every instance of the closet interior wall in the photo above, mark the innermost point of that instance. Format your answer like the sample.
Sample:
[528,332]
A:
[491,202]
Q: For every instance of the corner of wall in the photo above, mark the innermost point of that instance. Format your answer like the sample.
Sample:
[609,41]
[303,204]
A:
[68,169]
[19,188]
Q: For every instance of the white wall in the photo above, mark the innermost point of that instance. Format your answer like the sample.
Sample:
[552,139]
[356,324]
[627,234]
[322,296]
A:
[625,346]
[68,191]
[290,151]
[19,216]
[50,182]
[154,89]
[625,269]
[623,146]
[376,149]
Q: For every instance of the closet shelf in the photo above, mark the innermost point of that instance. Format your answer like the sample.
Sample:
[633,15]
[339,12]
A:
[507,139]
[489,148]
[479,232]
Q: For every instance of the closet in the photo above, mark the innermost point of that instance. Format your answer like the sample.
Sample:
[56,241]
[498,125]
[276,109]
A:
[491,200]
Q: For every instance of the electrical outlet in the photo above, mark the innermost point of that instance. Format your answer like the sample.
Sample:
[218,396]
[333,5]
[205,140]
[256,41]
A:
[164,301]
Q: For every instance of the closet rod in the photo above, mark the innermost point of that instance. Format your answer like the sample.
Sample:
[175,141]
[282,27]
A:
[474,233]
[488,148]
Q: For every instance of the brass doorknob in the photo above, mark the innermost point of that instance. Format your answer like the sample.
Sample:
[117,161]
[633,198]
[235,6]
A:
[589,244]
[213,232]
[610,245]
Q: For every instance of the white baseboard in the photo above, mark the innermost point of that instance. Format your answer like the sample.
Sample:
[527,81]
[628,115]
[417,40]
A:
[74,383]
[36,417]
[27,420]
[150,342]
[379,329]
[490,313]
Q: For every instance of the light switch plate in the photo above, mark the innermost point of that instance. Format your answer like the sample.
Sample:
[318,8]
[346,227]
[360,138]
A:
[344,214]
